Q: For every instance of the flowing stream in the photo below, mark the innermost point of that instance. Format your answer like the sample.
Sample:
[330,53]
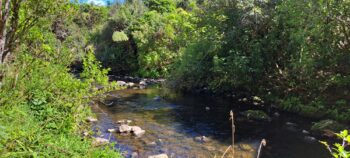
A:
[172,126]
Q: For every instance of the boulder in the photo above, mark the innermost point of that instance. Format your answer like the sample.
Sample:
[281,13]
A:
[143,83]
[327,126]
[124,128]
[91,119]
[99,142]
[159,156]
[137,131]
[121,83]
[130,84]
[256,115]
[134,155]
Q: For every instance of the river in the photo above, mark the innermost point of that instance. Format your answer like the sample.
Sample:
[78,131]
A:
[173,124]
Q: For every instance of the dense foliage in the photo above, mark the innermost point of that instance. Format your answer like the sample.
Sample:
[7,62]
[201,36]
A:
[292,53]
[43,106]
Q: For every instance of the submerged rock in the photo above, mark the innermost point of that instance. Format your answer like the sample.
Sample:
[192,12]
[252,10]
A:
[207,108]
[310,139]
[257,115]
[276,114]
[305,131]
[157,98]
[99,141]
[291,124]
[159,156]
[124,121]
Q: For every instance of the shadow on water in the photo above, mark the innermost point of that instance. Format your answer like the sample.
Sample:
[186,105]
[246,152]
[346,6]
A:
[173,124]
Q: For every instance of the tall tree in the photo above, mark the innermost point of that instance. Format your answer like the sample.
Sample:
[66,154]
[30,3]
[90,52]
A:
[18,16]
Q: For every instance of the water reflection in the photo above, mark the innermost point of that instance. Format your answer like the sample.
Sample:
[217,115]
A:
[172,126]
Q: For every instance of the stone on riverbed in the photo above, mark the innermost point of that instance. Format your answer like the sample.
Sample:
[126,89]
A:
[256,115]
[91,119]
[124,128]
[99,142]
[130,84]
[124,121]
[159,156]
[121,83]
[143,83]
[137,131]
[202,139]
[111,130]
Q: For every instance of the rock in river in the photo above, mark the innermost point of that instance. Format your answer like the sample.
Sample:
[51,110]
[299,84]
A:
[202,139]
[124,128]
[159,156]
[137,131]
[111,130]
[121,83]
[124,121]
[99,141]
[91,119]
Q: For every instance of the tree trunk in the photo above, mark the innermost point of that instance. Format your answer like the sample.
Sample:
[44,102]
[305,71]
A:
[4,15]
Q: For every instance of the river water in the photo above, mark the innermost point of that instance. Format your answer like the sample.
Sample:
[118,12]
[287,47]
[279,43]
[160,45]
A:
[173,124]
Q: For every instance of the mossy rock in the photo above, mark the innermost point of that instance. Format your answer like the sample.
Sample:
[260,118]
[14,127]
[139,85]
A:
[257,115]
[327,125]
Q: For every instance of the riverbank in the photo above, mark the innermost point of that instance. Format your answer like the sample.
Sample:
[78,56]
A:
[43,111]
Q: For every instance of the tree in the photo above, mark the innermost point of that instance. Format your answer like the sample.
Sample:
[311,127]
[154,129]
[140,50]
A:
[18,16]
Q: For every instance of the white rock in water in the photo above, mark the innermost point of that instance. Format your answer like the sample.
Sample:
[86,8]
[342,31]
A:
[207,108]
[91,119]
[306,132]
[121,83]
[99,141]
[143,83]
[131,84]
[135,128]
[124,121]
[139,133]
[124,129]
[134,155]
[159,156]
[111,130]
